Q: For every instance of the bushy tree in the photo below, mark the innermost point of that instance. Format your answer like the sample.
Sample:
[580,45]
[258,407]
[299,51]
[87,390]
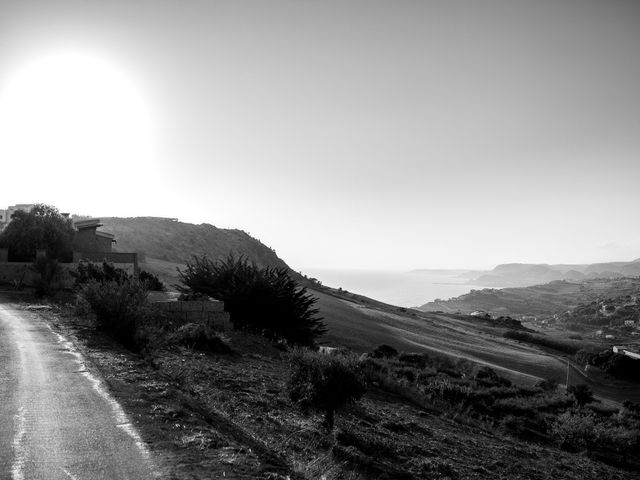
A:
[324,382]
[152,281]
[41,228]
[582,393]
[263,300]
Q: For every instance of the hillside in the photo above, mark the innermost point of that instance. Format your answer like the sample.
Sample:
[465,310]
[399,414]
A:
[176,242]
[548,299]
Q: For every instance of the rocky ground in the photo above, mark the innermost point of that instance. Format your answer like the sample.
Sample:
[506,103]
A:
[228,416]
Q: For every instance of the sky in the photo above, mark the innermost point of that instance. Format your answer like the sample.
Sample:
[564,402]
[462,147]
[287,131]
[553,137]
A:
[344,134]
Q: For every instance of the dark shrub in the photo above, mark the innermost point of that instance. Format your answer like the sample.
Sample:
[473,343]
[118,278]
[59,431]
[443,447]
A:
[324,382]
[582,394]
[118,308]
[407,373]
[152,281]
[487,377]
[199,337]
[384,351]
[50,281]
[101,273]
[415,359]
[266,301]
[547,385]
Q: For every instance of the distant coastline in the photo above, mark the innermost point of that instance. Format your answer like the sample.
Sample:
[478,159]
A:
[402,288]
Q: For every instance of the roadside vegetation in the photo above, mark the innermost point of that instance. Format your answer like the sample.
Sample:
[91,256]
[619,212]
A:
[543,413]
[259,300]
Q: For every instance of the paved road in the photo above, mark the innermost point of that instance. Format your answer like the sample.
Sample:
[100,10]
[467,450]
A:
[56,419]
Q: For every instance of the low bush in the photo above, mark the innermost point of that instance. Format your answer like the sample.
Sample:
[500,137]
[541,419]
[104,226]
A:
[100,273]
[119,308]
[324,382]
[199,337]
[581,393]
[384,351]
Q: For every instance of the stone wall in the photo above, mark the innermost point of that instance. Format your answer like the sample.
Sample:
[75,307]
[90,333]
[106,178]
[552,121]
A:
[208,312]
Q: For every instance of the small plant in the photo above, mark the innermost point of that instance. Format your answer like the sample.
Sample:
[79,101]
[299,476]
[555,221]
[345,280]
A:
[199,337]
[324,382]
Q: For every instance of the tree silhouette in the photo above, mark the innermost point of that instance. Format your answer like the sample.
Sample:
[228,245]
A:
[263,300]
[41,228]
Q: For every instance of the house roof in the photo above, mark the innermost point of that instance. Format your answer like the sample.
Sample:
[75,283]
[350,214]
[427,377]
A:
[90,223]
[110,236]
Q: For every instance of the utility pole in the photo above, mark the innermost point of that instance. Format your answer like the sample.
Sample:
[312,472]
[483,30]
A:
[567,376]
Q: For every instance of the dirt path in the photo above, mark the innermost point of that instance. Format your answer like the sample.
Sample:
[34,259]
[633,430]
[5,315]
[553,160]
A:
[58,420]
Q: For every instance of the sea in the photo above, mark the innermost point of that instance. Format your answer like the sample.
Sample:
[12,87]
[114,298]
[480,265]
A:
[402,288]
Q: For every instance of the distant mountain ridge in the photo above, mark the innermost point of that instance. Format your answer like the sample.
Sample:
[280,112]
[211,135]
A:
[176,242]
[527,274]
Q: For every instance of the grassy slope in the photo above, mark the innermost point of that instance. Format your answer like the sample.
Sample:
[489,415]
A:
[362,324]
[177,242]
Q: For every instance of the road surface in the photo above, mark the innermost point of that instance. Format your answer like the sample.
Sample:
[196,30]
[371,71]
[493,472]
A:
[57,421]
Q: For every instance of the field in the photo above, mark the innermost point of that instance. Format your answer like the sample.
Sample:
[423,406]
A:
[361,324]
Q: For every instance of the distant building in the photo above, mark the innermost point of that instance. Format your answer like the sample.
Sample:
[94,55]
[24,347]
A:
[90,239]
[7,213]
[628,353]
[96,246]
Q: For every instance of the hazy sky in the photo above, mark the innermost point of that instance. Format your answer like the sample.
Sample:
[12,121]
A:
[361,134]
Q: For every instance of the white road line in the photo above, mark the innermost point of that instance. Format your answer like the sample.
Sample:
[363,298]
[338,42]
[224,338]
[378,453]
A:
[18,450]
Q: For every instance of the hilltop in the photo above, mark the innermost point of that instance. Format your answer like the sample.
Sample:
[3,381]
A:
[175,242]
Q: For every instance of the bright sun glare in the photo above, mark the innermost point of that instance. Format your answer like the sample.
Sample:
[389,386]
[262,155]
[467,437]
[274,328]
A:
[64,115]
